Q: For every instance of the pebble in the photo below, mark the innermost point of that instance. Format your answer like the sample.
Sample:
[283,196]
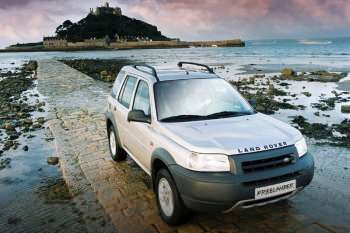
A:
[52,160]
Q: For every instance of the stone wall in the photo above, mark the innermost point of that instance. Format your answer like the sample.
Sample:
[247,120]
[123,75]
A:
[146,44]
[54,43]
[103,43]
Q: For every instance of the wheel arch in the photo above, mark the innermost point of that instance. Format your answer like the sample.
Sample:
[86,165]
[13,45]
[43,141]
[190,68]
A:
[111,122]
[161,158]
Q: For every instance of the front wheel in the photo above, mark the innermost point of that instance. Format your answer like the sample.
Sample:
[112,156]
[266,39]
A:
[117,153]
[170,205]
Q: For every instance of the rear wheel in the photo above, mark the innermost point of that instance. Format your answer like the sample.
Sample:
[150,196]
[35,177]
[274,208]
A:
[117,153]
[170,205]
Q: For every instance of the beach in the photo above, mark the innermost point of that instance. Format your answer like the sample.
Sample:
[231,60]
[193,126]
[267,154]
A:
[324,205]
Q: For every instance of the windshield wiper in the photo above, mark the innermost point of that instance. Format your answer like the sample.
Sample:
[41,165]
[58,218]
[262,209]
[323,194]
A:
[227,114]
[199,117]
[182,118]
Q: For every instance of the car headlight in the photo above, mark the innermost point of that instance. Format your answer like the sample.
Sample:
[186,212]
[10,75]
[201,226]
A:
[301,147]
[208,162]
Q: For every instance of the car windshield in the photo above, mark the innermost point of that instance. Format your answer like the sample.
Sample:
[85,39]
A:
[198,99]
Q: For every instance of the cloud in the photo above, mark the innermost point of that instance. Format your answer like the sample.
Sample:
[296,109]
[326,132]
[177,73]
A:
[246,18]
[29,20]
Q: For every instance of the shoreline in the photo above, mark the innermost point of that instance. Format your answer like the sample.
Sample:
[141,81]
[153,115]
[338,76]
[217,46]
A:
[133,45]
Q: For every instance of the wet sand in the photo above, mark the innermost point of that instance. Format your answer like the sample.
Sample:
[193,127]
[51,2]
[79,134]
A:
[344,86]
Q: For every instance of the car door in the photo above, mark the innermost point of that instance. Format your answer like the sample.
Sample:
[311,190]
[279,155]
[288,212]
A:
[140,133]
[123,106]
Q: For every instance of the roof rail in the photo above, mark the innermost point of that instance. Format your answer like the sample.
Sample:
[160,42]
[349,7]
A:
[210,70]
[154,72]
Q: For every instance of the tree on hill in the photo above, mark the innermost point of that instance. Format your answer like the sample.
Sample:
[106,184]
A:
[93,26]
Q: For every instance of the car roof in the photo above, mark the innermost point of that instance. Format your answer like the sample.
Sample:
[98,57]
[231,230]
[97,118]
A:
[179,74]
[166,74]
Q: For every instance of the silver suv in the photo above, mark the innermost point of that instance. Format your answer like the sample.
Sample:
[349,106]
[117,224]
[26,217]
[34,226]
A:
[203,144]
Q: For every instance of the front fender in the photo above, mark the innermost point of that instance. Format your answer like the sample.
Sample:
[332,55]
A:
[162,155]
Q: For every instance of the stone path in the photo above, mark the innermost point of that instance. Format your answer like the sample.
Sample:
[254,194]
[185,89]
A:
[123,189]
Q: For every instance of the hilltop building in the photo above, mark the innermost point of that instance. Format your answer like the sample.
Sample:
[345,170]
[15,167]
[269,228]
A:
[57,43]
[120,32]
[106,10]
[54,42]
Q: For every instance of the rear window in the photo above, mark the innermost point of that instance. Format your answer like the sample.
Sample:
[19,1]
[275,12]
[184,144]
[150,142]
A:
[128,89]
[117,83]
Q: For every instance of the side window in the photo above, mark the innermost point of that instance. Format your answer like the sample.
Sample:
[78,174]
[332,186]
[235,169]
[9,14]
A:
[128,89]
[142,98]
[117,83]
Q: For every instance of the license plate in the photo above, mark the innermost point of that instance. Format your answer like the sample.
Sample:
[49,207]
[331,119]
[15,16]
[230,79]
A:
[275,189]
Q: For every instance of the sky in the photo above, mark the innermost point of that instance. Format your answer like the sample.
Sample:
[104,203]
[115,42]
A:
[29,20]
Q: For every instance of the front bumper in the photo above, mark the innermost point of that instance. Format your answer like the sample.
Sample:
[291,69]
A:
[223,192]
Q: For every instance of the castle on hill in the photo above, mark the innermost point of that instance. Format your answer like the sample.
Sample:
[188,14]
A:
[106,28]
[106,10]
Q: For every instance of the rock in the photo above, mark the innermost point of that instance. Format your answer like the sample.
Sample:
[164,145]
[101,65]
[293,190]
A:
[316,76]
[9,126]
[284,84]
[36,126]
[31,66]
[103,74]
[307,94]
[41,120]
[52,160]
[41,104]
[14,136]
[345,108]
[28,121]
[4,163]
[25,148]
[287,72]
[276,92]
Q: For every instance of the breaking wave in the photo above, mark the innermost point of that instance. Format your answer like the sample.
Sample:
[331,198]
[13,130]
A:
[315,42]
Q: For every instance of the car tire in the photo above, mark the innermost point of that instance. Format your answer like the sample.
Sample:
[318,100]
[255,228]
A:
[170,205]
[117,152]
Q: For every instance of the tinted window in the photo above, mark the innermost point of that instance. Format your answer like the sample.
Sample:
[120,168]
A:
[117,83]
[142,98]
[128,89]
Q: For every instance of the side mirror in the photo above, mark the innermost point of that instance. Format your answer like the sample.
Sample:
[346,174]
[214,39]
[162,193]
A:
[139,116]
[252,102]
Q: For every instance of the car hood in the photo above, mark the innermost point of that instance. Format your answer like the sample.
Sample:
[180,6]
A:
[236,135]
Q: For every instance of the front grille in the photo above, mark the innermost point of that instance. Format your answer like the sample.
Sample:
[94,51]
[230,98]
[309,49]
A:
[268,163]
[272,180]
